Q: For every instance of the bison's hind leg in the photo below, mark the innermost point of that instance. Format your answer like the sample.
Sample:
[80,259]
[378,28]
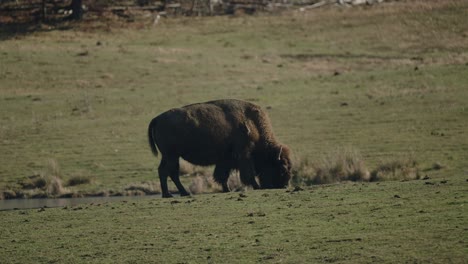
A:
[174,174]
[170,167]
[163,174]
[163,171]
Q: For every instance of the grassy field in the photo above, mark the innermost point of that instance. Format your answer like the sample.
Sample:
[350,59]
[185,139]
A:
[390,222]
[389,81]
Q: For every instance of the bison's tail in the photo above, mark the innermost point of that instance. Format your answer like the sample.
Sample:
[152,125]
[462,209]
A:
[151,141]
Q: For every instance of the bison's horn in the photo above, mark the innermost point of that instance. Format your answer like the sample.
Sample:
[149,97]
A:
[247,129]
[279,154]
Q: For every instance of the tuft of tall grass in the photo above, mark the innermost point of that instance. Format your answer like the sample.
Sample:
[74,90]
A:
[235,183]
[348,165]
[53,168]
[78,180]
[186,168]
[143,188]
[36,181]
[53,177]
[203,183]
[404,168]
[55,186]
[8,194]
[303,171]
[47,183]
[437,166]
[345,164]
[198,185]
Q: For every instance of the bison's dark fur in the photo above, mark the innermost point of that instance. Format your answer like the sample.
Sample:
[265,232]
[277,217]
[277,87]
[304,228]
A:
[231,134]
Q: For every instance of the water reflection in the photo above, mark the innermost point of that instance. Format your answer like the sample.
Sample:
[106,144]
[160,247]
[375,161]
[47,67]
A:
[61,202]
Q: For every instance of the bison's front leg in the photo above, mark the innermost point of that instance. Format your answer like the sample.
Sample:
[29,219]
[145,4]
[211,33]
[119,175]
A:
[247,173]
[221,174]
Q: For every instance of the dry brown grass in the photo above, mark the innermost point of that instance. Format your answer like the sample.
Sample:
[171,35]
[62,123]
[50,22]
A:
[55,186]
[47,183]
[188,169]
[234,182]
[198,185]
[36,181]
[302,172]
[348,165]
[78,180]
[404,168]
[143,188]
[437,166]
[204,183]
[344,164]
[7,194]
[53,177]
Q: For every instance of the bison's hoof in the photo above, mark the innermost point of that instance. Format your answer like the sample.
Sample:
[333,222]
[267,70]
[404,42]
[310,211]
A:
[185,194]
[167,195]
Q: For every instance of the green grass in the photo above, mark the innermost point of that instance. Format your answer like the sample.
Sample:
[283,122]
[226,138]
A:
[332,77]
[389,222]
[87,105]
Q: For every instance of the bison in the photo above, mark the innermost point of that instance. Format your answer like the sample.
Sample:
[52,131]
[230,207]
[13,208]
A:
[230,134]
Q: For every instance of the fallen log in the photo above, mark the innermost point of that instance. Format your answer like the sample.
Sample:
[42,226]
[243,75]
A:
[137,8]
[321,3]
[341,2]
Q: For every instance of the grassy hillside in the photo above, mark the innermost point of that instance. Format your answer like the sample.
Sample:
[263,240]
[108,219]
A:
[388,80]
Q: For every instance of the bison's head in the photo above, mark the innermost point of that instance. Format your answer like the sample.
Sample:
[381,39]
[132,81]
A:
[277,171]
